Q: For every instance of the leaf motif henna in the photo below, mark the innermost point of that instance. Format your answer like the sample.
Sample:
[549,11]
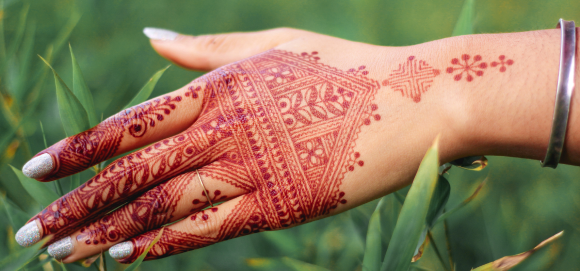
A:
[475,67]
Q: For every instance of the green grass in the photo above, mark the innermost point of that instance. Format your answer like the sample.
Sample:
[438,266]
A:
[457,222]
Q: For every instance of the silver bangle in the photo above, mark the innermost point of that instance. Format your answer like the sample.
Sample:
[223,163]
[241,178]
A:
[563,93]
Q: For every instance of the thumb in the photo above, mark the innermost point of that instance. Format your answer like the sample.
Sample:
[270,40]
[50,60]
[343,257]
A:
[209,52]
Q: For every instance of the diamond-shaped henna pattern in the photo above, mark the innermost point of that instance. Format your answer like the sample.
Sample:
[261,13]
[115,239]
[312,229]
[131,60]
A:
[293,125]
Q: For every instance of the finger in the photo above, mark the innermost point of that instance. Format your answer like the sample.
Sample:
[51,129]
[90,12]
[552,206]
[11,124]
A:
[234,218]
[165,203]
[129,129]
[124,179]
[208,52]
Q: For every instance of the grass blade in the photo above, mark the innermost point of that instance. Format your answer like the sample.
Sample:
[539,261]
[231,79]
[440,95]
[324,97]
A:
[443,216]
[464,25]
[81,90]
[16,216]
[412,218]
[509,262]
[26,53]
[145,92]
[373,250]
[17,39]
[139,260]
[19,259]
[36,189]
[72,113]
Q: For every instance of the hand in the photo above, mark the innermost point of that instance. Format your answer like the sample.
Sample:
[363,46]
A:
[293,128]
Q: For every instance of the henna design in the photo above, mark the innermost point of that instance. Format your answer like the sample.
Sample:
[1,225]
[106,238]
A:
[475,67]
[203,215]
[216,198]
[412,78]
[279,125]
[502,63]
[289,125]
[360,70]
[76,153]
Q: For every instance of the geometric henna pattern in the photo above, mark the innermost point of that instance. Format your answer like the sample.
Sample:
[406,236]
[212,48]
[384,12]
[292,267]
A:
[289,125]
[474,67]
[412,78]
[278,125]
[101,142]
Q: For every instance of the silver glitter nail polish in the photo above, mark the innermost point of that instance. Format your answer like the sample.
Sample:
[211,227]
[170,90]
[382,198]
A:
[121,250]
[159,34]
[61,249]
[39,166]
[28,235]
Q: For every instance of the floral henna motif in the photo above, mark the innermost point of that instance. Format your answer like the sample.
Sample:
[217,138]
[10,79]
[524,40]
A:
[412,78]
[475,67]
[287,126]
[216,198]
[502,63]
[101,142]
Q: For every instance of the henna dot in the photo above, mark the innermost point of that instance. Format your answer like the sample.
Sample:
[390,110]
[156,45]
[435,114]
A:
[189,150]
[350,168]
[385,83]
[417,99]
[267,176]
[493,64]
[195,202]
[477,58]
[502,69]
[95,242]
[356,155]
[204,217]
[457,77]
[377,117]
[467,57]
[215,209]
[289,121]
[454,61]
[88,242]
[411,57]
[502,57]
[314,52]
[137,128]
[510,62]
[365,72]
[479,73]
[436,72]
[283,104]
[217,193]
[483,65]
[367,122]
[341,194]
[273,193]
[374,107]
[160,117]
[469,78]
[450,70]
[361,163]
[343,201]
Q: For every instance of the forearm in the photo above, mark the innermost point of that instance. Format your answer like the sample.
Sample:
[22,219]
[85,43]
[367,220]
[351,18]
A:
[503,109]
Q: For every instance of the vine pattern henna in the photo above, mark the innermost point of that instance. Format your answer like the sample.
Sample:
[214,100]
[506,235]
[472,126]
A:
[216,198]
[502,63]
[293,124]
[149,211]
[412,78]
[101,142]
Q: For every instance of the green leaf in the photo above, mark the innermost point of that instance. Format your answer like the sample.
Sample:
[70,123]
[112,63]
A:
[26,53]
[373,250]
[464,25]
[16,216]
[301,266]
[521,261]
[19,259]
[147,89]
[139,260]
[475,163]
[284,263]
[72,113]
[17,39]
[443,216]
[81,90]
[37,190]
[412,218]
[75,181]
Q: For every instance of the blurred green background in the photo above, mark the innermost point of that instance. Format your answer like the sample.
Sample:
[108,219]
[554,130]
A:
[520,204]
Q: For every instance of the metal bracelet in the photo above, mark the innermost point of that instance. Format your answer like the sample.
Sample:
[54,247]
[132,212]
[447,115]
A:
[563,93]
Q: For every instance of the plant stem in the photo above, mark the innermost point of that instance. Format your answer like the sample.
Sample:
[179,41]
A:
[432,240]
[448,245]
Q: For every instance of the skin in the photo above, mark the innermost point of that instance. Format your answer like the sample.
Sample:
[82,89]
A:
[402,98]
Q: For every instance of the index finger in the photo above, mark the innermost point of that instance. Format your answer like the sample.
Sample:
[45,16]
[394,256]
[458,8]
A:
[129,129]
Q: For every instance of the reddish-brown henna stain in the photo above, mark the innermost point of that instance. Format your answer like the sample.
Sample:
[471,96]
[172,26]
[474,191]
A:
[76,153]
[475,67]
[502,63]
[216,198]
[412,78]
[280,126]
[289,126]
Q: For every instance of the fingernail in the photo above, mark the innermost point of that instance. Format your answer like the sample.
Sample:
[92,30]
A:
[39,166]
[61,249]
[121,250]
[28,235]
[159,34]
